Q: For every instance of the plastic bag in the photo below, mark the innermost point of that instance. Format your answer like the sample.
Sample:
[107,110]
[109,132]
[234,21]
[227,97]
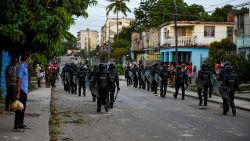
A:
[17,105]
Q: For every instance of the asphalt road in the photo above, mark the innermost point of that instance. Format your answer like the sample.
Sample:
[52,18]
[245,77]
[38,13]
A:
[139,115]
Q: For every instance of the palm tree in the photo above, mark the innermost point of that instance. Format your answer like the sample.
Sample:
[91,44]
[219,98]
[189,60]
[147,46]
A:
[118,6]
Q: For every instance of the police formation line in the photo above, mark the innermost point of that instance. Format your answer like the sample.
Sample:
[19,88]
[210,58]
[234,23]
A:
[151,77]
[104,82]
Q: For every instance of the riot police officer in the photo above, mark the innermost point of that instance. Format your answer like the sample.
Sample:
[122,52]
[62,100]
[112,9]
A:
[90,77]
[141,77]
[164,82]
[229,80]
[210,86]
[135,75]
[102,79]
[155,73]
[180,79]
[147,71]
[203,80]
[115,83]
[81,75]
[128,76]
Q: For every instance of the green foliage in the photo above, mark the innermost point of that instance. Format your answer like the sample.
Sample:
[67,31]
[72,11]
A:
[120,48]
[222,13]
[218,50]
[117,6]
[39,58]
[119,69]
[38,26]
[227,50]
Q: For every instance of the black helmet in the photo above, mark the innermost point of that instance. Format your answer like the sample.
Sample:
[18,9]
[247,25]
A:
[229,68]
[111,66]
[227,63]
[165,66]
[155,65]
[203,66]
[102,66]
[178,67]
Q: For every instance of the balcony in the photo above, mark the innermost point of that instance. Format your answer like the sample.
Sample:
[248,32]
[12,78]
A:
[182,41]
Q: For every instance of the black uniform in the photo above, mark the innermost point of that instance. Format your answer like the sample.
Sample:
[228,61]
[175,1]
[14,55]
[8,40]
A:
[210,86]
[204,80]
[141,77]
[180,79]
[81,75]
[102,79]
[164,82]
[127,76]
[91,76]
[115,84]
[154,72]
[229,79]
[136,76]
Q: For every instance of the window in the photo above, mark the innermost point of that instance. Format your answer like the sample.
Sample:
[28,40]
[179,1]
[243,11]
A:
[209,31]
[165,32]
[119,23]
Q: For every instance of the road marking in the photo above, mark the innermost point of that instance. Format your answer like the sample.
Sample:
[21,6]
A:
[187,135]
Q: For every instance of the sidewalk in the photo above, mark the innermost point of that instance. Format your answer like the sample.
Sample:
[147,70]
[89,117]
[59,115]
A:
[36,117]
[242,101]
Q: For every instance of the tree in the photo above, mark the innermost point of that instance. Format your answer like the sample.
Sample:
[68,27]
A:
[218,50]
[222,13]
[38,26]
[153,13]
[119,48]
[118,6]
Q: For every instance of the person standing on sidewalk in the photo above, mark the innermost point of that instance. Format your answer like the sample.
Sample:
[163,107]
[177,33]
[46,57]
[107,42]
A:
[10,73]
[22,90]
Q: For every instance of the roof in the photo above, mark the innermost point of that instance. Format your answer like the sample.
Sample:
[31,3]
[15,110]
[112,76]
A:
[197,22]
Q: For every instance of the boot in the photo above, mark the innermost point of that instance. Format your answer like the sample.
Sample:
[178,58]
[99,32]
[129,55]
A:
[234,111]
[200,103]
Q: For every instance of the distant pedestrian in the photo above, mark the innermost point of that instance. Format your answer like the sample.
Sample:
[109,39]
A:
[38,70]
[10,73]
[22,90]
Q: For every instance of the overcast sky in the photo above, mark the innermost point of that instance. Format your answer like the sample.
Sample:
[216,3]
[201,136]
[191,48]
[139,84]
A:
[97,14]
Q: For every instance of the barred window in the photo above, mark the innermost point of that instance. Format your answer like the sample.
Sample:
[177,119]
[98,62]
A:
[209,31]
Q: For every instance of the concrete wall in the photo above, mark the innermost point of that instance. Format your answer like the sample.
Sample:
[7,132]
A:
[196,29]
[197,55]
[83,39]
[4,62]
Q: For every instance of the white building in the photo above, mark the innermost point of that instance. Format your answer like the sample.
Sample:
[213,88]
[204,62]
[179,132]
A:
[87,39]
[193,40]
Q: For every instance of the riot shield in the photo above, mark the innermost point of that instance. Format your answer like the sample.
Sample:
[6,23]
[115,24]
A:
[215,83]
[224,91]
[142,77]
[158,79]
[130,74]
[199,83]
[148,76]
[94,89]
[221,90]
[75,79]
[137,74]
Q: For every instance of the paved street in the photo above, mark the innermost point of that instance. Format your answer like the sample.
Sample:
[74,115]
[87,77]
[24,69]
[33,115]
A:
[140,115]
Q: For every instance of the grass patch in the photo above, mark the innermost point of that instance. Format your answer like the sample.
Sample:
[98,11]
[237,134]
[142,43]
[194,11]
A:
[244,88]
[77,121]
[54,121]
[66,114]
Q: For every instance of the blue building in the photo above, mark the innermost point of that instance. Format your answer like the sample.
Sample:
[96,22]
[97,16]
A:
[194,38]
[194,55]
[4,62]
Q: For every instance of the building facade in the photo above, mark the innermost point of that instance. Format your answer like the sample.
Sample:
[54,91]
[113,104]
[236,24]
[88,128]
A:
[193,40]
[87,39]
[109,30]
[242,32]
[145,46]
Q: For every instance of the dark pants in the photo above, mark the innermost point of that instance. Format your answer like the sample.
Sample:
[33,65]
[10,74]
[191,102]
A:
[226,103]
[135,82]
[177,87]
[164,84]
[129,81]
[19,115]
[210,87]
[148,85]
[80,87]
[103,98]
[141,83]
[112,97]
[10,97]
[154,86]
[205,90]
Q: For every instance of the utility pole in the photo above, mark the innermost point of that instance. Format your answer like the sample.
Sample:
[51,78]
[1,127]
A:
[88,47]
[109,42]
[176,36]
